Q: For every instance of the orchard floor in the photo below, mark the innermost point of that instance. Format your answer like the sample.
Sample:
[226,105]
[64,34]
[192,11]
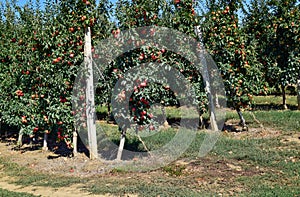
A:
[226,173]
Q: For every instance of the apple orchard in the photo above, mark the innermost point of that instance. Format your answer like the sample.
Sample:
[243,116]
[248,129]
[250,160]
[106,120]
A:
[43,46]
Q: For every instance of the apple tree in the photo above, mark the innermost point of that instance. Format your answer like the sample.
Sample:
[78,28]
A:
[42,51]
[226,41]
[274,25]
[22,102]
[178,15]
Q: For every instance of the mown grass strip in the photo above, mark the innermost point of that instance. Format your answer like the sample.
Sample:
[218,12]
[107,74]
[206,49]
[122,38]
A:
[7,193]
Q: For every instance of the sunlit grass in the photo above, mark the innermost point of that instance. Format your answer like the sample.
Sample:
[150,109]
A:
[7,193]
[279,175]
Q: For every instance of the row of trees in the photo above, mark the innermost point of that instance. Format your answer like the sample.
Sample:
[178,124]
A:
[42,48]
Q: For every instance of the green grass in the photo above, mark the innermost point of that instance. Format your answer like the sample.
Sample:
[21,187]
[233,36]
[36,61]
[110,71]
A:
[274,102]
[6,193]
[266,186]
[286,120]
[163,189]
[251,152]
[279,176]
[28,177]
[290,100]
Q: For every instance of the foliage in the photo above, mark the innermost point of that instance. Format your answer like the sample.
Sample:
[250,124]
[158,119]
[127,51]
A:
[274,26]
[42,51]
[226,42]
[133,14]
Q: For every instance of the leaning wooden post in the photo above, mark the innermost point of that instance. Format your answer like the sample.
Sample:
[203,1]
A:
[75,141]
[90,102]
[206,79]
[121,146]
[20,138]
[45,143]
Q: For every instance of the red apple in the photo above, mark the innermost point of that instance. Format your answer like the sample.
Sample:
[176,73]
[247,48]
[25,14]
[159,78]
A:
[143,84]
[71,29]
[153,57]
[176,2]
[142,56]
[24,120]
[151,127]
[83,18]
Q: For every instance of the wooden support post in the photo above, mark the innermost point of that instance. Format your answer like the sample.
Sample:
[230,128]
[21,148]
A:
[75,141]
[45,143]
[121,146]
[20,138]
[90,102]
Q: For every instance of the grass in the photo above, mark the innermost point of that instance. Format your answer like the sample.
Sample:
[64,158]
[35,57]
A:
[6,193]
[287,120]
[260,186]
[250,152]
[28,177]
[275,100]
[274,172]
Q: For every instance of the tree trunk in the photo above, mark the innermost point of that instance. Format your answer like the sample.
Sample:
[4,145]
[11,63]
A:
[121,146]
[165,124]
[206,80]
[202,125]
[75,140]
[298,93]
[242,119]
[217,101]
[141,140]
[20,138]
[90,99]
[108,113]
[45,144]
[283,97]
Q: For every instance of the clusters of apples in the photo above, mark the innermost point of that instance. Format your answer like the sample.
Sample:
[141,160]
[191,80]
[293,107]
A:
[155,56]
[19,93]
[139,107]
